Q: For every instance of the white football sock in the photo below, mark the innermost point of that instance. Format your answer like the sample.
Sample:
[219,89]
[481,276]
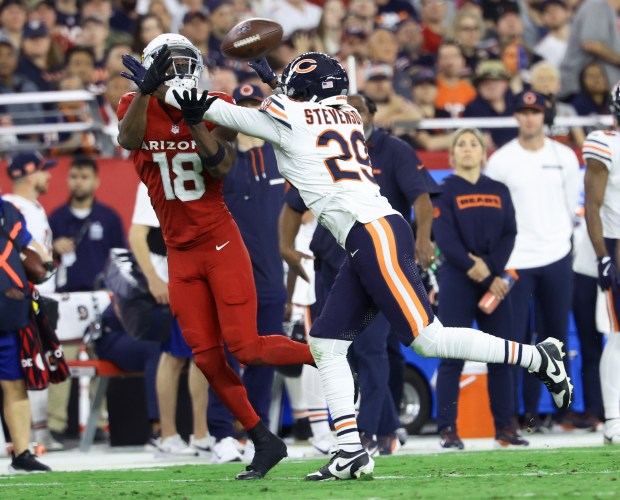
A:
[331,359]
[609,369]
[439,341]
[38,408]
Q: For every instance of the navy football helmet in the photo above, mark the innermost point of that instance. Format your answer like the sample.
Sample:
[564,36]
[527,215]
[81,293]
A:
[315,77]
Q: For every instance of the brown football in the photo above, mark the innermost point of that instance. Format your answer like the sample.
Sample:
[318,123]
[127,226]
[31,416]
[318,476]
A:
[252,39]
[33,265]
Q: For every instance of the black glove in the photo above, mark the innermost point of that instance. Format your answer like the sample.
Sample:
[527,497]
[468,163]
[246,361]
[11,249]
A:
[149,80]
[263,70]
[607,274]
[193,109]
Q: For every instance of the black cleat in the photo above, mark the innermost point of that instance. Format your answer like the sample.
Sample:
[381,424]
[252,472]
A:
[553,373]
[26,463]
[449,439]
[508,436]
[269,450]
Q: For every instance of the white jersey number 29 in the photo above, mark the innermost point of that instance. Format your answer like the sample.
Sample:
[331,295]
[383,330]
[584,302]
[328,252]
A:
[183,175]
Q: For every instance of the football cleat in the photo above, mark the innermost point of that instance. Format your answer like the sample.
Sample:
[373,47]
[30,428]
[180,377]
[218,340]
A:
[225,451]
[370,443]
[345,465]
[26,463]
[553,373]
[449,439]
[508,436]
[611,432]
[388,444]
[325,444]
[269,451]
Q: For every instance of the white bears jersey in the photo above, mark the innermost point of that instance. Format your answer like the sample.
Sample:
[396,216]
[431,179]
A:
[320,150]
[604,146]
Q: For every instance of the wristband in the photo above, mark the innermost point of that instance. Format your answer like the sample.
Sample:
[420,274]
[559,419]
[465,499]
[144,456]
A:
[212,161]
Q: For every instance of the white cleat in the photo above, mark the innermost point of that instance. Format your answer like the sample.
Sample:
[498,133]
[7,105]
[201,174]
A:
[202,446]
[44,437]
[345,465]
[175,446]
[611,432]
[225,451]
[552,372]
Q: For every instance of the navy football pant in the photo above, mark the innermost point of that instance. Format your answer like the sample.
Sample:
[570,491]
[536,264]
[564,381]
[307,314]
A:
[458,307]
[551,287]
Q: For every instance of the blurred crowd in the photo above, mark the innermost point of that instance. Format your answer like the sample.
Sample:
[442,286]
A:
[416,59]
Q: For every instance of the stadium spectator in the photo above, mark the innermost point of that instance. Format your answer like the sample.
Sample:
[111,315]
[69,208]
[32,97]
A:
[593,95]
[330,28]
[114,58]
[146,28]
[392,12]
[149,248]
[391,107]
[224,80]
[545,79]
[433,16]
[423,94]
[543,178]
[197,28]
[13,17]
[354,43]
[10,83]
[80,62]
[476,240]
[494,99]
[382,47]
[123,17]
[116,88]
[95,35]
[556,17]
[84,230]
[468,30]
[44,11]
[361,13]
[81,141]
[295,15]
[221,19]
[16,404]
[40,57]
[594,38]
[158,7]
[454,92]
[67,22]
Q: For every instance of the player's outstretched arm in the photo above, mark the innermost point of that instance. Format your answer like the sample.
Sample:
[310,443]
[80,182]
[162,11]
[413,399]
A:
[132,127]
[217,157]
[245,120]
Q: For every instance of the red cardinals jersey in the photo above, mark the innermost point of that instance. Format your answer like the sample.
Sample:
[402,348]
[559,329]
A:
[187,200]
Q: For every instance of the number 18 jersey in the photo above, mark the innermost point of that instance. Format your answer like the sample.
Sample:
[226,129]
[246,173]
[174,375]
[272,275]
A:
[187,200]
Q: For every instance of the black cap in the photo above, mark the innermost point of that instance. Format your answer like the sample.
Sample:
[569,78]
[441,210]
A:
[424,75]
[25,164]
[35,29]
[531,100]
[201,14]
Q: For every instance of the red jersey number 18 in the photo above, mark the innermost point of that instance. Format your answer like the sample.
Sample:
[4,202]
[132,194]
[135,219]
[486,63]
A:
[182,175]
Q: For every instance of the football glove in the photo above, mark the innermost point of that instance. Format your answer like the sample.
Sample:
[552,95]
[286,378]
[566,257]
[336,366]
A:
[263,70]
[193,109]
[607,274]
[149,80]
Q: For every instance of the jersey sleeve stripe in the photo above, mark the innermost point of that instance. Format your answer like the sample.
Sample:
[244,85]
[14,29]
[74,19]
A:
[596,156]
[277,112]
[598,142]
[279,120]
[275,101]
[606,152]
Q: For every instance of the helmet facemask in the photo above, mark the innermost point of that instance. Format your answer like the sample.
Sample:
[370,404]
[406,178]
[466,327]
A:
[186,65]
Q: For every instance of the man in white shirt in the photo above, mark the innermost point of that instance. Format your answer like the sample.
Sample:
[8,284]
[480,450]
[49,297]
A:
[601,150]
[543,178]
[30,178]
[146,242]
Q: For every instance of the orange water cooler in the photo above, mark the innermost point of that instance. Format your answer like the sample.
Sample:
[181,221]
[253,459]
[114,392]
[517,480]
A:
[474,418]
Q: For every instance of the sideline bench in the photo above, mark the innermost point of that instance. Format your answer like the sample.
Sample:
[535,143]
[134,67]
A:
[101,371]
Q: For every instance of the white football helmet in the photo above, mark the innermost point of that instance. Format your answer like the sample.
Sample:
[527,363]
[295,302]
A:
[186,59]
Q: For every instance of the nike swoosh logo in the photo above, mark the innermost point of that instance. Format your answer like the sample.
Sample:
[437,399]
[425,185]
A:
[557,371]
[606,269]
[340,468]
[219,247]
[353,253]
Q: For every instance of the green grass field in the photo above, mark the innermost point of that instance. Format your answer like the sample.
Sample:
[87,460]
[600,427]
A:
[582,472]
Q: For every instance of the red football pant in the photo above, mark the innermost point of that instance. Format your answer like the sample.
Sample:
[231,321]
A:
[213,297]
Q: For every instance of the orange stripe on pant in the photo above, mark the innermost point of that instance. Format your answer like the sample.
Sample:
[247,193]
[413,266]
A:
[388,279]
[612,312]
[392,244]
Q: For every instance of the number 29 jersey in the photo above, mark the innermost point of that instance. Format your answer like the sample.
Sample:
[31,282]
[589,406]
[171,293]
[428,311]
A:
[187,200]
[322,153]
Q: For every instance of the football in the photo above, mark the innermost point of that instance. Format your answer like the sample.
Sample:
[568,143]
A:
[33,265]
[252,39]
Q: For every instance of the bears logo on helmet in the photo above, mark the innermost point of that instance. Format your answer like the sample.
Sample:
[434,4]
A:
[315,77]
